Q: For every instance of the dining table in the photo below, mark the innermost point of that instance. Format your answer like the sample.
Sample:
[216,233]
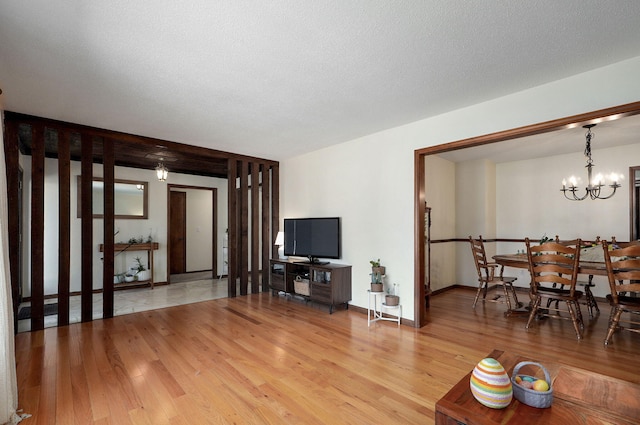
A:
[588,267]
[594,265]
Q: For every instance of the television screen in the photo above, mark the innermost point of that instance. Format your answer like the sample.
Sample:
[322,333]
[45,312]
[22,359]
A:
[312,237]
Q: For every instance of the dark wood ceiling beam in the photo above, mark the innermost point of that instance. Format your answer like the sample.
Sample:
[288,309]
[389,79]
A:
[126,137]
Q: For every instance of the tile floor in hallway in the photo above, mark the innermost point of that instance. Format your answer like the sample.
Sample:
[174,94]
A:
[141,299]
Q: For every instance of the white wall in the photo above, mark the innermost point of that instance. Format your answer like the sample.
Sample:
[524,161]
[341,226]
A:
[369,181]
[476,213]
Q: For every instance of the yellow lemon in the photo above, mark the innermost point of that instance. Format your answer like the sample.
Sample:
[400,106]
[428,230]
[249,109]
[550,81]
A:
[541,385]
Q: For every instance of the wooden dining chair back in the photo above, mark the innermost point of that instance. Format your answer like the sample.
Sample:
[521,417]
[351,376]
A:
[587,251]
[487,276]
[554,273]
[623,272]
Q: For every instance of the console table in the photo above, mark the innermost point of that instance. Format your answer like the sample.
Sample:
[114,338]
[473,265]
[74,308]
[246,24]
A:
[132,247]
[579,397]
[328,283]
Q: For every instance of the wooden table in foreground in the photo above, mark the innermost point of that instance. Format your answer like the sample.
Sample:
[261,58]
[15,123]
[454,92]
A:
[579,397]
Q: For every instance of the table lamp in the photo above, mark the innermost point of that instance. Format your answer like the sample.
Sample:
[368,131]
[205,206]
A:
[280,243]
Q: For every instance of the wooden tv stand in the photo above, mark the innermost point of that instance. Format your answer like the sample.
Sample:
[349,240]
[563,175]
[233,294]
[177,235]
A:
[328,283]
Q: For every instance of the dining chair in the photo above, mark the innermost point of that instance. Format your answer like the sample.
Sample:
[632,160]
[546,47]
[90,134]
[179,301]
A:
[590,299]
[623,272]
[487,276]
[550,264]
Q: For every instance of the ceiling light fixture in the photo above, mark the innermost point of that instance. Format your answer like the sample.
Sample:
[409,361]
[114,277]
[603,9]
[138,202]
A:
[161,171]
[594,184]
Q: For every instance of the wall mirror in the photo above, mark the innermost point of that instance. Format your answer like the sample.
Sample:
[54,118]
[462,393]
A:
[130,198]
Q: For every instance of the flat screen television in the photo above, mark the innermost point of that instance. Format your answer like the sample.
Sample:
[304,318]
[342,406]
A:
[312,238]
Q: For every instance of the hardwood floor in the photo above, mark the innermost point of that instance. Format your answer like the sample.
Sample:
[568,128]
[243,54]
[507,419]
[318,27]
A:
[262,359]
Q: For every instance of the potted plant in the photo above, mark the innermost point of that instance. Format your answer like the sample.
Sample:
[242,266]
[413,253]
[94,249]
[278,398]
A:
[141,272]
[377,272]
[376,267]
[391,299]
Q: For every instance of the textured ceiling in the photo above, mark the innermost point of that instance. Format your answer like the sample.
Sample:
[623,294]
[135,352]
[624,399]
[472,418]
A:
[278,78]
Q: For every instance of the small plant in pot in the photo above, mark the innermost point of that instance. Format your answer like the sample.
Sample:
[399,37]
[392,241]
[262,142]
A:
[377,272]
[391,299]
[141,271]
[376,267]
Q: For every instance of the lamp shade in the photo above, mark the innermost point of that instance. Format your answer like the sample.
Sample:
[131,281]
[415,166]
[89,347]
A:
[280,243]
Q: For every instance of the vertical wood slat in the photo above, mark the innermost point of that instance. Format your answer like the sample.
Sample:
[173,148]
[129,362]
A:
[255,227]
[267,240]
[275,206]
[37,228]
[232,213]
[64,226]
[108,162]
[11,159]
[86,189]
[244,227]
[214,236]
[243,215]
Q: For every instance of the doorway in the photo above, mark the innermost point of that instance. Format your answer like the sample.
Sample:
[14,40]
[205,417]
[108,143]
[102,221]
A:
[192,232]
[177,232]
[421,289]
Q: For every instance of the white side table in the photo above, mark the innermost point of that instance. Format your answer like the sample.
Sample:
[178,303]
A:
[374,313]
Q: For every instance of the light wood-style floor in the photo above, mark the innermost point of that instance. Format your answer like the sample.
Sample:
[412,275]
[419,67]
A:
[262,359]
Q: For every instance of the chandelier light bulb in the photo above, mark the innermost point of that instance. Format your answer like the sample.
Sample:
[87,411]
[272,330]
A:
[614,177]
[598,180]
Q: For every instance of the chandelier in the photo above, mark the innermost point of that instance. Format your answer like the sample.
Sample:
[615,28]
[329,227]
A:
[161,171]
[594,184]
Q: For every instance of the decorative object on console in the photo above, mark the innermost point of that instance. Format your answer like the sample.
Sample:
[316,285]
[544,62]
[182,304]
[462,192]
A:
[490,384]
[594,184]
[141,272]
[280,244]
[530,390]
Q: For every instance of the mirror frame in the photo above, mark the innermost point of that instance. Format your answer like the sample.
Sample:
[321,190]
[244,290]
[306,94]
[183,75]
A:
[145,199]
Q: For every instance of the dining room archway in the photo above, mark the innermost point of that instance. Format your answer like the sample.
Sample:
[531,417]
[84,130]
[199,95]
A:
[422,292]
